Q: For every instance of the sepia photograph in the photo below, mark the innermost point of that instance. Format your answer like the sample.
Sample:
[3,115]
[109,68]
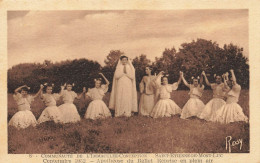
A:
[128,81]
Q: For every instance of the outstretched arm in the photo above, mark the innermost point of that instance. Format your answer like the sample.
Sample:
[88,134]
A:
[179,81]
[206,79]
[201,80]
[62,89]
[184,81]
[225,78]
[233,76]
[38,93]
[19,88]
[107,82]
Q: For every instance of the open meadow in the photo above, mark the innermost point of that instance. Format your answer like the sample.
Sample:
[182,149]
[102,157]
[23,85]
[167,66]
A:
[128,135]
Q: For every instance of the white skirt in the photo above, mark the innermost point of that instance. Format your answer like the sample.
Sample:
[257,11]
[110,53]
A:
[97,109]
[69,113]
[231,113]
[51,113]
[211,108]
[193,107]
[23,119]
[165,108]
[146,104]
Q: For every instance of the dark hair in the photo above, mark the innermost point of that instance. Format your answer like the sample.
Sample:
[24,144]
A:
[24,89]
[98,79]
[123,56]
[217,74]
[46,86]
[164,76]
[150,68]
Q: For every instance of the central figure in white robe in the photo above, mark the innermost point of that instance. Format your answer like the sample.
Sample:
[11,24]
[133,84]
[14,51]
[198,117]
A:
[123,97]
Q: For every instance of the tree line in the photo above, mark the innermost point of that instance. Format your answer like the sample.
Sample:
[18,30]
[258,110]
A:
[191,58]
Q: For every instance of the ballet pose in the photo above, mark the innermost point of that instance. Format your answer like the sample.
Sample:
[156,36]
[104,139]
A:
[194,105]
[209,112]
[231,111]
[68,110]
[51,112]
[97,108]
[24,117]
[165,107]
[147,89]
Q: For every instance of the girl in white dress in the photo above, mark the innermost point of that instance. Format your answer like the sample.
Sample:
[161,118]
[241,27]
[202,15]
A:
[68,110]
[209,112]
[24,117]
[194,105]
[123,98]
[51,112]
[97,108]
[231,111]
[147,89]
[165,107]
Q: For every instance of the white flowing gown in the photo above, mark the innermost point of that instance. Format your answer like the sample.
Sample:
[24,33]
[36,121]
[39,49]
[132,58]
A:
[194,105]
[231,111]
[123,98]
[51,112]
[165,107]
[147,100]
[24,117]
[68,110]
[209,113]
[97,108]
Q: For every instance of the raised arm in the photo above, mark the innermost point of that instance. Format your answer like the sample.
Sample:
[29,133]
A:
[233,76]
[184,81]
[201,80]
[206,79]
[107,82]
[179,80]
[19,88]
[41,93]
[62,89]
[38,93]
[225,78]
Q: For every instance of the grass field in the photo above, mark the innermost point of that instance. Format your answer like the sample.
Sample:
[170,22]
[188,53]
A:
[129,135]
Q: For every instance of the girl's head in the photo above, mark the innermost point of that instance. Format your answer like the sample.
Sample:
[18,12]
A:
[98,82]
[24,91]
[69,86]
[195,81]
[218,78]
[148,70]
[164,80]
[124,59]
[48,88]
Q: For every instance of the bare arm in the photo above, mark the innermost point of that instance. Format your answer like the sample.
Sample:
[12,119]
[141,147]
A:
[62,89]
[184,81]
[38,93]
[233,76]
[19,88]
[179,81]
[107,82]
[206,79]
[201,80]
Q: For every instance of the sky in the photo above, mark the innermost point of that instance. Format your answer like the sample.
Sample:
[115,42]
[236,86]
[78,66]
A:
[35,36]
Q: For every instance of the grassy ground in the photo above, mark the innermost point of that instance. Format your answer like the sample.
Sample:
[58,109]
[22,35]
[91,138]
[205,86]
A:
[129,135]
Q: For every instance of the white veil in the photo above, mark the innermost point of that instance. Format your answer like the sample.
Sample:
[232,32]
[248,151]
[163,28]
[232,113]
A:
[114,86]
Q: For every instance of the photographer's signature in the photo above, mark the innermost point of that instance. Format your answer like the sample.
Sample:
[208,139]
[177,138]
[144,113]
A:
[231,143]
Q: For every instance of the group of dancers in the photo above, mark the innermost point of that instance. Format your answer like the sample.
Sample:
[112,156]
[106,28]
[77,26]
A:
[155,100]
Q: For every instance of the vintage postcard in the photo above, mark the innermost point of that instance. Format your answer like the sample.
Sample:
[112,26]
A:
[129,81]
